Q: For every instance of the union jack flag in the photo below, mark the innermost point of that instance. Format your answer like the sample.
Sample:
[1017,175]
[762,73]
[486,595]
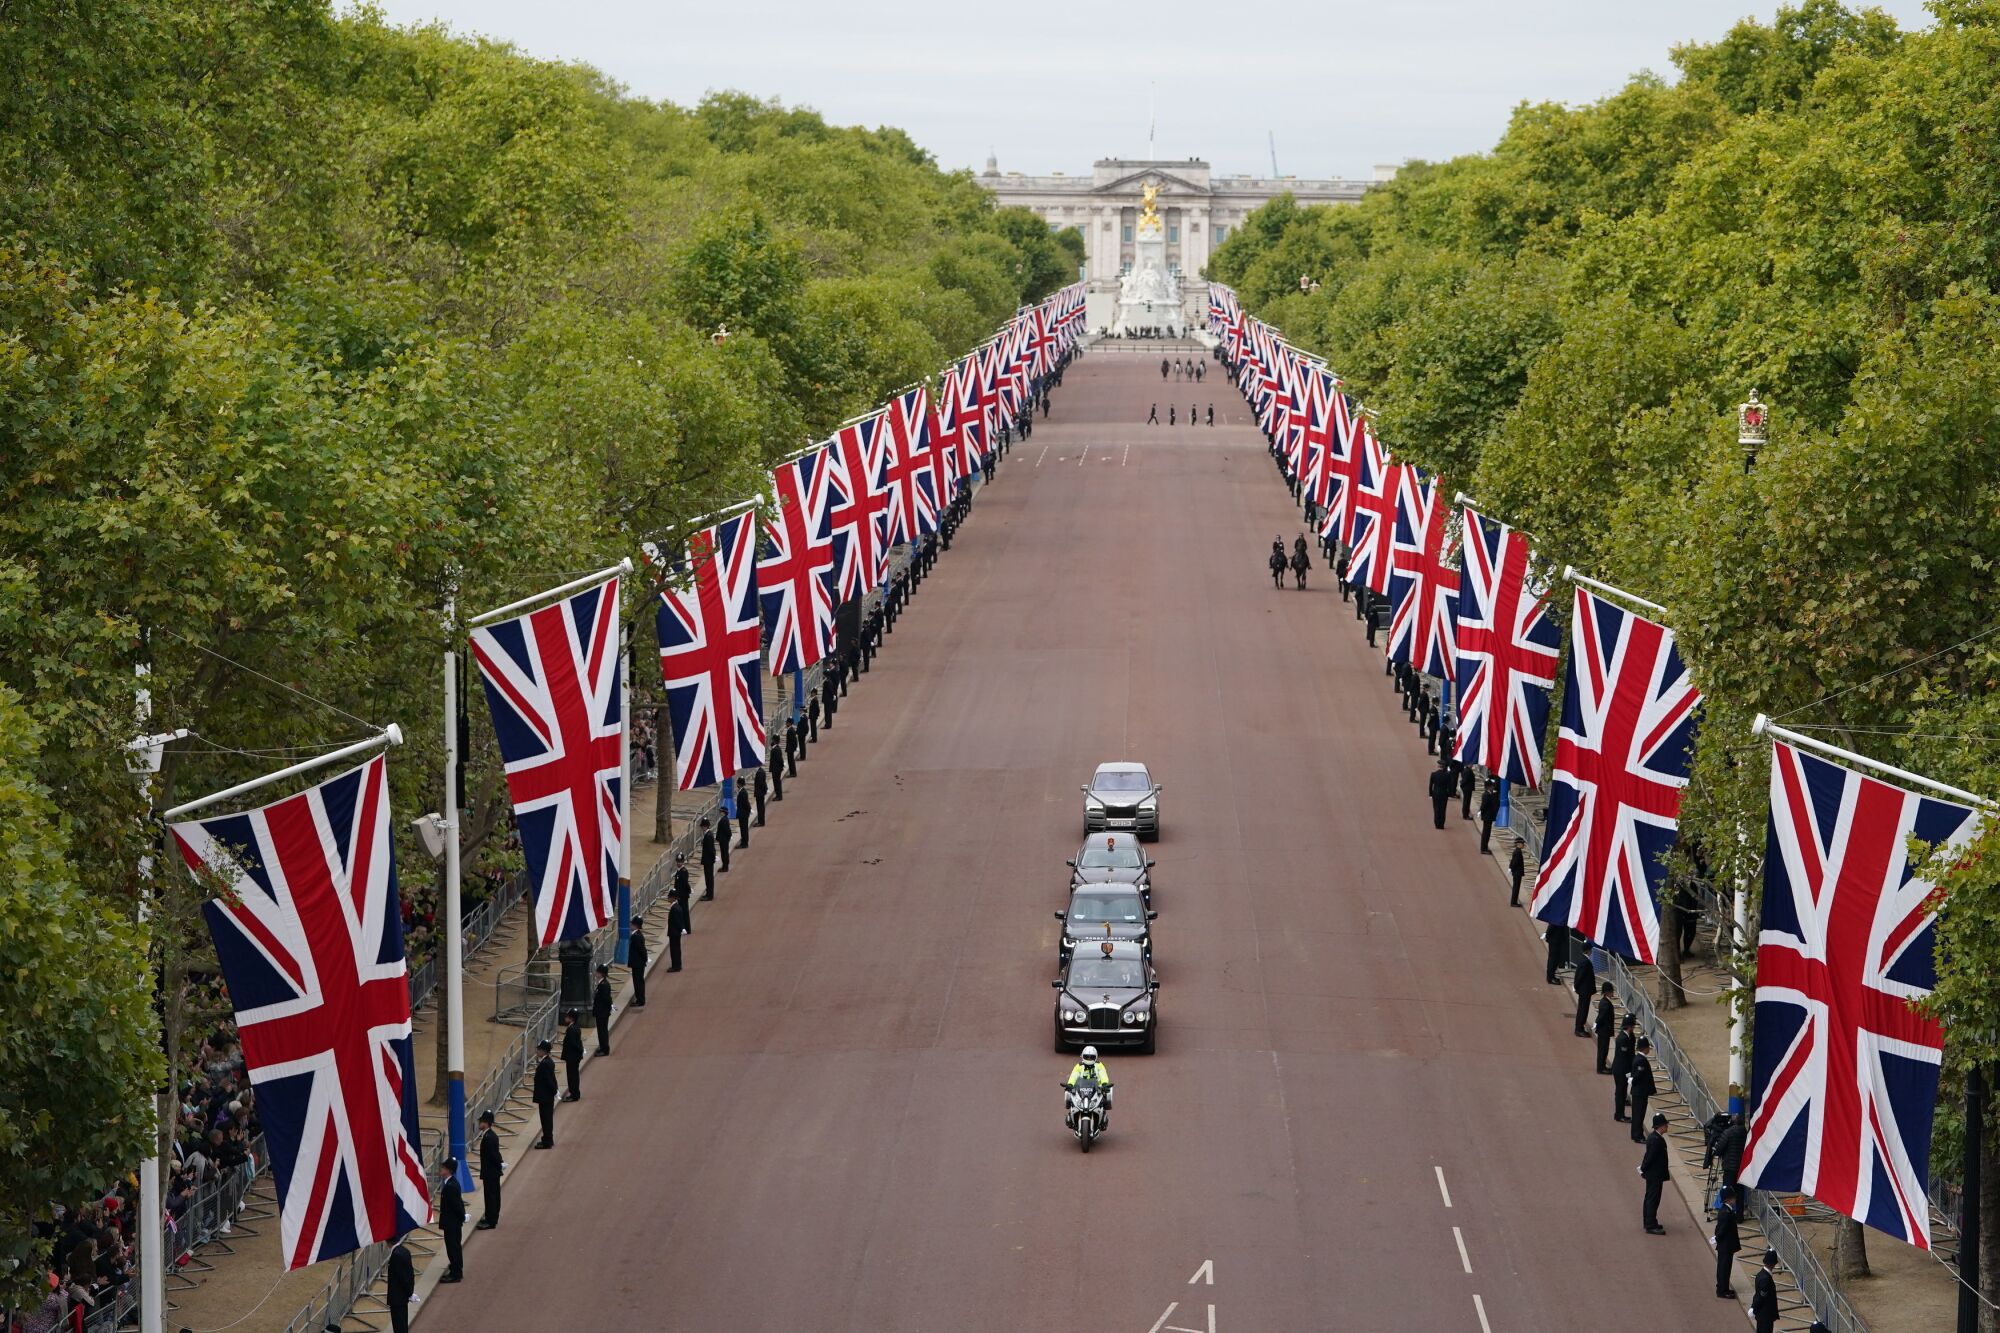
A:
[905,433]
[1621,762]
[310,939]
[552,684]
[1506,654]
[1320,390]
[968,424]
[1423,581]
[709,642]
[1336,482]
[795,579]
[1844,1069]
[858,505]
[1372,499]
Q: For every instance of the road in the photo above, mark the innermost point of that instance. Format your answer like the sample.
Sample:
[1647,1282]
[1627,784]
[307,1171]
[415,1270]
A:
[1367,1111]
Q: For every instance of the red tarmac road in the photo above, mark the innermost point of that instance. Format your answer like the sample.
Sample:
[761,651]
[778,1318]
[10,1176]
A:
[844,1115]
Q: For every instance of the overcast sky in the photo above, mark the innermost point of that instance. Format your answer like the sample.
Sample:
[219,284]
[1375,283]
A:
[1343,85]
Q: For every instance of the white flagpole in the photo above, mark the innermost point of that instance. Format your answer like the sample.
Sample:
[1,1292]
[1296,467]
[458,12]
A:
[390,735]
[1763,726]
[1569,573]
[622,567]
[454,936]
[623,953]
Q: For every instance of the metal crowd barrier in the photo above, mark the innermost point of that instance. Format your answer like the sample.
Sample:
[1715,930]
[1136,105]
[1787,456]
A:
[211,1218]
[1815,1284]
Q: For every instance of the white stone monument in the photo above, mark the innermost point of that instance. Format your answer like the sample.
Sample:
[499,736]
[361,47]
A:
[1148,296]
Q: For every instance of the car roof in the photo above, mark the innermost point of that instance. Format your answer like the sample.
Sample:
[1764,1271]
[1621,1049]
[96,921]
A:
[1122,766]
[1128,841]
[1117,887]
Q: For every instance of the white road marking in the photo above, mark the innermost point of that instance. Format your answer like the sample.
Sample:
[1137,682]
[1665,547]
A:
[1128,454]
[1206,1273]
[1442,1187]
[1480,1307]
[1083,456]
[1463,1257]
[1040,456]
[1176,1328]
[1163,1318]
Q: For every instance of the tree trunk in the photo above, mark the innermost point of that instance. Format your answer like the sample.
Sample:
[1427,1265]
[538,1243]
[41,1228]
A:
[1989,1228]
[1850,1250]
[1670,996]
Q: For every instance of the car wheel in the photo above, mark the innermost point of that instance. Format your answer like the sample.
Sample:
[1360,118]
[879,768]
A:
[1152,1041]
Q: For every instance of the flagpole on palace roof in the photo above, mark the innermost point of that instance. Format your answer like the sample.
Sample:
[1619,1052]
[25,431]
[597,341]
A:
[390,735]
[1763,726]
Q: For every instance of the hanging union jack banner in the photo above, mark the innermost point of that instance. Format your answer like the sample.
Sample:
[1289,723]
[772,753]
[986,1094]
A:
[709,643]
[552,685]
[1372,500]
[795,579]
[905,432]
[1423,581]
[1621,763]
[1844,1069]
[858,505]
[310,939]
[1506,654]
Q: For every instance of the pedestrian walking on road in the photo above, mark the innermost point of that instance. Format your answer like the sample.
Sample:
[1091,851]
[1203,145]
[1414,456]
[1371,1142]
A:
[677,926]
[758,790]
[572,1055]
[1585,982]
[635,952]
[1211,414]
[1764,1296]
[1728,1240]
[1622,1051]
[1170,414]
[1489,809]
[1517,865]
[1153,415]
[1164,363]
[1607,1020]
[1654,1171]
[600,1008]
[707,860]
[545,1095]
[1642,1084]
[491,1168]
[743,812]
[402,1287]
[1440,792]
[451,1222]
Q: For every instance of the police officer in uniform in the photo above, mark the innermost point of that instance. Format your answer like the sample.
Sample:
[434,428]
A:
[573,1055]
[1489,809]
[490,1169]
[1440,791]
[402,1287]
[677,926]
[451,1221]
[545,1095]
[774,764]
[600,1009]
[743,811]
[707,860]
[635,952]
[758,790]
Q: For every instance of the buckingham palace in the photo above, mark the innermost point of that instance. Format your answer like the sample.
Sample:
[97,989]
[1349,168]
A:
[1200,209]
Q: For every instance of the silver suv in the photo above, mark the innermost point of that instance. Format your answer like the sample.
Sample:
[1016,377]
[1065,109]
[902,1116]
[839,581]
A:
[1122,796]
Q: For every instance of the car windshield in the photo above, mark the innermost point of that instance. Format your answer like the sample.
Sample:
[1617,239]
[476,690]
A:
[1122,782]
[1108,858]
[1094,909]
[1106,974]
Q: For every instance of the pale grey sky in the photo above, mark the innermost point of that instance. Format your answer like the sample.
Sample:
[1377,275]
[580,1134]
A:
[1343,85]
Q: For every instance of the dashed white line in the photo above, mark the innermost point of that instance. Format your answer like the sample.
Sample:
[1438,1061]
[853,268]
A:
[1128,454]
[1480,1307]
[1040,456]
[1463,1258]
[1083,455]
[1442,1187]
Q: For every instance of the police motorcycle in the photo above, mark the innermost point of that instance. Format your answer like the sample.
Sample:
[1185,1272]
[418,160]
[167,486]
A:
[1086,1110]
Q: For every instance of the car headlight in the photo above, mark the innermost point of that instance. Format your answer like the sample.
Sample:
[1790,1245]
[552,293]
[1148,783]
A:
[1092,803]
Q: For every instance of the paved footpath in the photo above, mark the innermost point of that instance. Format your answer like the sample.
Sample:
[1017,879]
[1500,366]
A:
[1367,1111]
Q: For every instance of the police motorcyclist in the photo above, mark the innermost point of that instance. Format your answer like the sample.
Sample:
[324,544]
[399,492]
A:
[1089,1066]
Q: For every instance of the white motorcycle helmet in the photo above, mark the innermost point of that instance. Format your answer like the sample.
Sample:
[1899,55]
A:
[1090,1055]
